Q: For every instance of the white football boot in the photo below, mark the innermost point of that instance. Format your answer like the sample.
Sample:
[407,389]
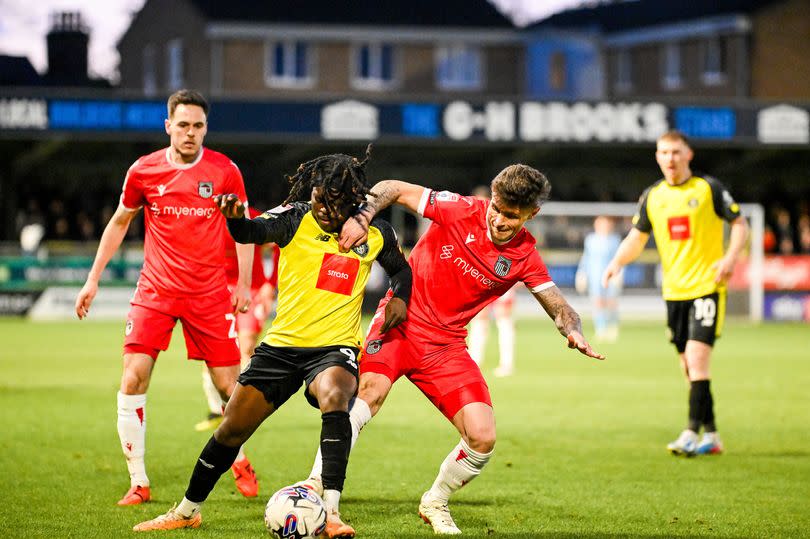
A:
[437,514]
[685,445]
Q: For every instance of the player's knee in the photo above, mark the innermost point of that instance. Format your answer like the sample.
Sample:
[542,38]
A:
[373,391]
[481,440]
[134,382]
[333,398]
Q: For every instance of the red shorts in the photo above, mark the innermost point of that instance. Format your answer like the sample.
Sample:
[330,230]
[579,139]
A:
[208,326]
[445,373]
[253,320]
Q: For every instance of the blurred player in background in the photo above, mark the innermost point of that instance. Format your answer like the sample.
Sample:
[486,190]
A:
[248,324]
[315,338]
[473,251]
[501,309]
[685,213]
[183,275]
[600,246]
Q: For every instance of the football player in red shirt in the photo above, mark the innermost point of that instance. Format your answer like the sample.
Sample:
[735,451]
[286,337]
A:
[473,252]
[183,275]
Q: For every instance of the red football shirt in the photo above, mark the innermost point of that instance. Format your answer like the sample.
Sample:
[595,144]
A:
[232,262]
[458,270]
[184,248]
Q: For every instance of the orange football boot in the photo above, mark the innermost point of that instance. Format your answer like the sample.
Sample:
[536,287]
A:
[171,520]
[245,478]
[336,528]
[136,496]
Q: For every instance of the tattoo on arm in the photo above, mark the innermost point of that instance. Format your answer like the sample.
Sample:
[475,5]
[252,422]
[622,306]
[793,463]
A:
[564,316]
[382,195]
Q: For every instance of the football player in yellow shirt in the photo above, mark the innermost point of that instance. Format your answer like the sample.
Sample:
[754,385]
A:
[685,214]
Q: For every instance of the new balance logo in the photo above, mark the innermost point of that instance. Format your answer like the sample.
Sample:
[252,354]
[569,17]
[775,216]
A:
[470,238]
[209,466]
[323,237]
[161,190]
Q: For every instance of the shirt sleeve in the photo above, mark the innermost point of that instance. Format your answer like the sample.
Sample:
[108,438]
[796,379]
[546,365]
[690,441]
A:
[132,196]
[641,220]
[724,205]
[393,262]
[444,206]
[273,226]
[537,278]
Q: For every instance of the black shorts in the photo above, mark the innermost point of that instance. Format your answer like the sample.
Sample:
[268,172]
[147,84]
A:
[699,319]
[278,371]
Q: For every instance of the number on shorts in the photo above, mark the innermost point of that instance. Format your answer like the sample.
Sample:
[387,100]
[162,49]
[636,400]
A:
[231,332]
[352,358]
[705,311]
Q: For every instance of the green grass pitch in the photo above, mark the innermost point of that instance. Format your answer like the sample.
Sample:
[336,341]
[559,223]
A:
[580,452]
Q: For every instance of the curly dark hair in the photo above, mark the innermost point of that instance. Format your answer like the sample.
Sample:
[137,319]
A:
[342,177]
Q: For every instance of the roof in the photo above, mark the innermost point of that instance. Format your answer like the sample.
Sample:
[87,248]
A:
[446,13]
[619,15]
[18,71]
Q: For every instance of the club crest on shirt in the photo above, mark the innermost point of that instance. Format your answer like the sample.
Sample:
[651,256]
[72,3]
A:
[693,203]
[205,189]
[361,250]
[374,346]
[502,266]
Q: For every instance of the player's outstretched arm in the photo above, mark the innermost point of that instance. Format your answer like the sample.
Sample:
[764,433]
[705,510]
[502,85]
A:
[566,319]
[629,249]
[111,239]
[383,194]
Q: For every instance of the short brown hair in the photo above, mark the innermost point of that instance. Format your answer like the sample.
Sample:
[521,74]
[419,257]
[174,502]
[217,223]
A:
[522,186]
[674,134]
[186,97]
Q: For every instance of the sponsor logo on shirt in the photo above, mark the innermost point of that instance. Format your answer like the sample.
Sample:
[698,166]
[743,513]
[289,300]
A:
[181,211]
[679,228]
[128,328]
[470,270]
[205,189]
[337,274]
[446,196]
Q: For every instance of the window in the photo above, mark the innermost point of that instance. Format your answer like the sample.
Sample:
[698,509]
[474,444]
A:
[458,67]
[671,66]
[174,69]
[373,66]
[557,74]
[624,71]
[149,70]
[287,64]
[714,62]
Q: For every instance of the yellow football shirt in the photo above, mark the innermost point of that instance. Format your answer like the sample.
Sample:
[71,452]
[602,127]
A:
[686,221]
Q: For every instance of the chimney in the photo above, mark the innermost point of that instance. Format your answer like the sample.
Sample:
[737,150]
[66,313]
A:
[67,49]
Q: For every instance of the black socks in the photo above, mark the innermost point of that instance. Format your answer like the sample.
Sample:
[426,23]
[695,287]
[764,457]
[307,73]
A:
[336,439]
[214,460]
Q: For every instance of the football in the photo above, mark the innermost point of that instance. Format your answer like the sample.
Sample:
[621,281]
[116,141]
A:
[295,512]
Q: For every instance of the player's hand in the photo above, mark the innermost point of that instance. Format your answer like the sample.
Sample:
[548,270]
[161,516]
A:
[396,312]
[354,232]
[85,298]
[723,269]
[576,340]
[240,301]
[612,270]
[230,206]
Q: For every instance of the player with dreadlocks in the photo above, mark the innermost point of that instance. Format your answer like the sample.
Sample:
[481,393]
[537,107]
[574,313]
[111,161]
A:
[315,338]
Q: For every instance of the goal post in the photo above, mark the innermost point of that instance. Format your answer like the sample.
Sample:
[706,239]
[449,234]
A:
[560,228]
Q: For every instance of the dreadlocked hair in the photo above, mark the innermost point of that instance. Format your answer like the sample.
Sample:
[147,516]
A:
[342,177]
